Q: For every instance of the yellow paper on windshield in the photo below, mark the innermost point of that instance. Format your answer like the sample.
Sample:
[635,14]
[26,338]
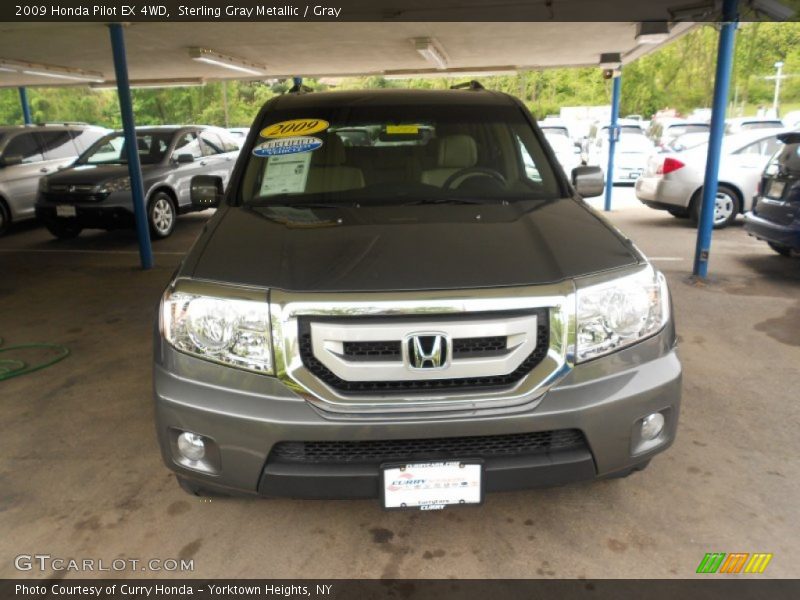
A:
[402,129]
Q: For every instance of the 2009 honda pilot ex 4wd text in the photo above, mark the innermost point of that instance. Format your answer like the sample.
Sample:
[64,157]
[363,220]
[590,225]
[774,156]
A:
[403,297]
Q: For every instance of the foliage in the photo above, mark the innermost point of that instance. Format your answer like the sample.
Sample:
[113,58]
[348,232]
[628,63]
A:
[679,75]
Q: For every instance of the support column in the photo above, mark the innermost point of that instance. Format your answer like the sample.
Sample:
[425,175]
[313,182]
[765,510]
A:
[26,107]
[129,129]
[613,136]
[722,81]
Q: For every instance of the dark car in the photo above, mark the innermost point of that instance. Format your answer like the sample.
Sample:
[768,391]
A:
[419,320]
[95,192]
[775,217]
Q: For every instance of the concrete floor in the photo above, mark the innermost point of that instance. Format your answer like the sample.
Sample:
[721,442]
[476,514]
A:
[81,476]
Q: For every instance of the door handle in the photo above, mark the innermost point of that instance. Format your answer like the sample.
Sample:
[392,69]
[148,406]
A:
[44,170]
[203,162]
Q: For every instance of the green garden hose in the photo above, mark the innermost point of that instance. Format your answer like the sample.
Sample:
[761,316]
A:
[12,367]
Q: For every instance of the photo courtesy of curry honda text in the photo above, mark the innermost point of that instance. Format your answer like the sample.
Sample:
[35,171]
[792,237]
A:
[402,296]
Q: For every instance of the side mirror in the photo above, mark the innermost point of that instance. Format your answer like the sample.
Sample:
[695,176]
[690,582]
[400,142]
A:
[589,182]
[10,161]
[205,191]
[183,159]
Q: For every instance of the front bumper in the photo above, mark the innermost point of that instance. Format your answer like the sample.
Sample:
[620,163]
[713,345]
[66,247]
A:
[113,212]
[769,231]
[246,415]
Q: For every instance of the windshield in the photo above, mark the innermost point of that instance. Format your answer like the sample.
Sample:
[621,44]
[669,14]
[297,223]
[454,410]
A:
[559,141]
[676,130]
[750,125]
[403,154]
[111,149]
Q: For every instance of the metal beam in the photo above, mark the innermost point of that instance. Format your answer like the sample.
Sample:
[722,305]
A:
[722,81]
[129,129]
[613,136]
[26,107]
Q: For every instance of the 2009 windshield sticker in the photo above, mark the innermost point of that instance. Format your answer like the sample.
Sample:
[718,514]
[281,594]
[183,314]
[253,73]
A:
[294,127]
[292,145]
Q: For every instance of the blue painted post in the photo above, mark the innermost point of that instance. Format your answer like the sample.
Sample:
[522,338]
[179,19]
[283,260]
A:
[297,81]
[613,134]
[26,107]
[129,129]
[721,84]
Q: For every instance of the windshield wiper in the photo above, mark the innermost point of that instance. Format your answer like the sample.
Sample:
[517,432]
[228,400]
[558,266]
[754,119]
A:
[449,200]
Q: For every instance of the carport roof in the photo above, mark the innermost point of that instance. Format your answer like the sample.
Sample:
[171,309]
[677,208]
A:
[159,51]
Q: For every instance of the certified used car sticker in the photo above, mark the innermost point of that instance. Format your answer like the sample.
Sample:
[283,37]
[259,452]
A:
[290,145]
[294,128]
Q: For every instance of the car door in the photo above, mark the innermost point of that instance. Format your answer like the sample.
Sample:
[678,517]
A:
[187,142]
[744,166]
[58,147]
[20,181]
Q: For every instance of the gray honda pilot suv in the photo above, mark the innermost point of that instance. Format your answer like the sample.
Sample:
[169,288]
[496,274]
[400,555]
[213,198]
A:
[420,309]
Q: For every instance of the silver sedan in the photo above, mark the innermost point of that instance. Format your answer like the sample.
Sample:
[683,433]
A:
[673,181]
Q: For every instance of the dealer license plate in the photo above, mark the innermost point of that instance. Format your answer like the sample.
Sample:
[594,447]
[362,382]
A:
[432,486]
[776,189]
[65,210]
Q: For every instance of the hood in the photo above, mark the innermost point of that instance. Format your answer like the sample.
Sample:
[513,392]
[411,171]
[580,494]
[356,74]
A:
[393,248]
[92,173]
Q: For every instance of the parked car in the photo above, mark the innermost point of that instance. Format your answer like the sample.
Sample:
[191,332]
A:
[239,133]
[673,181]
[96,191]
[775,217]
[29,151]
[357,318]
[686,141]
[632,150]
[664,135]
[567,153]
[741,124]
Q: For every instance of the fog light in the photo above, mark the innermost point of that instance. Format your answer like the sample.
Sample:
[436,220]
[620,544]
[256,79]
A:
[192,446]
[652,425]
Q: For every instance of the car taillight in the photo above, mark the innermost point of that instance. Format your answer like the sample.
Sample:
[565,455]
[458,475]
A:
[669,165]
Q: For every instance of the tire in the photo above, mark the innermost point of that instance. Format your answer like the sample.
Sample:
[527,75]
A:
[726,206]
[5,218]
[679,213]
[161,215]
[63,229]
[782,250]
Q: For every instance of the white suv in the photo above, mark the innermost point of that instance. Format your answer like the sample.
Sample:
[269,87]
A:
[29,151]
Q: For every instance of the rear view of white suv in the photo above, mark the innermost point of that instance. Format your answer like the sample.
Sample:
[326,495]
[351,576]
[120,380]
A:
[29,151]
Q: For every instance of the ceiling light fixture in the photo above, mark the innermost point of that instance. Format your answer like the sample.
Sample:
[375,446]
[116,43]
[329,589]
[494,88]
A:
[652,32]
[211,57]
[151,84]
[699,11]
[431,51]
[51,71]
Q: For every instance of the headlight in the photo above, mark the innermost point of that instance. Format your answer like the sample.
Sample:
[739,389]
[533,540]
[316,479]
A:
[621,312]
[231,331]
[120,184]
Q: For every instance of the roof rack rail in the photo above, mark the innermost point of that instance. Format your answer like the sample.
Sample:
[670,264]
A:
[468,85]
[45,123]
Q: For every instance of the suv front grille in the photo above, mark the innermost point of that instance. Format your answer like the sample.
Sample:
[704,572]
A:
[391,350]
[378,451]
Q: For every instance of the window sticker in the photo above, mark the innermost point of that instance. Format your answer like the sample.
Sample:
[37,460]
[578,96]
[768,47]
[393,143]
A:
[294,128]
[285,174]
[402,129]
[291,145]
